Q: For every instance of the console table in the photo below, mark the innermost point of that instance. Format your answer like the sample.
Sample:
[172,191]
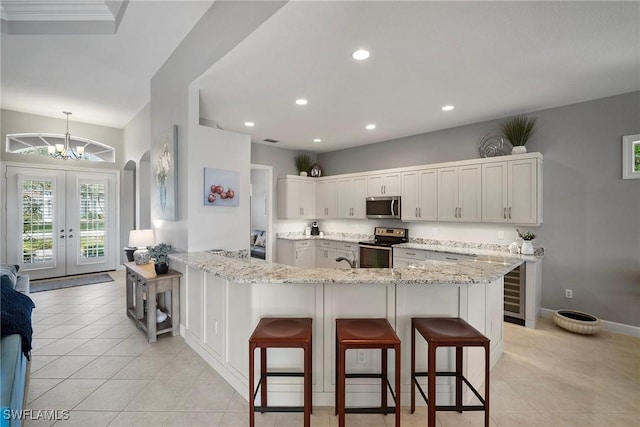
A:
[143,278]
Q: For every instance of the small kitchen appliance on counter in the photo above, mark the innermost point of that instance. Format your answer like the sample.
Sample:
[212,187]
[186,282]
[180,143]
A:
[378,253]
[315,229]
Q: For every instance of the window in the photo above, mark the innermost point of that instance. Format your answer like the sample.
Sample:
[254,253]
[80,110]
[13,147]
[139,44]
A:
[38,143]
[631,157]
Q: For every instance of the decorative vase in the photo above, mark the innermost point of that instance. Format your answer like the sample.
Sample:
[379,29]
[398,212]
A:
[527,248]
[303,173]
[161,268]
[163,196]
[519,149]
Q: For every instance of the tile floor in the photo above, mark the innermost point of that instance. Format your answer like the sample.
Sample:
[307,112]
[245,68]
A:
[89,358]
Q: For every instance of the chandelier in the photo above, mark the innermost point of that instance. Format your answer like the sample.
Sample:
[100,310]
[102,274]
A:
[65,152]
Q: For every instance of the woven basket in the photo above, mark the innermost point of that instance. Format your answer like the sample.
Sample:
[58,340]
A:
[577,321]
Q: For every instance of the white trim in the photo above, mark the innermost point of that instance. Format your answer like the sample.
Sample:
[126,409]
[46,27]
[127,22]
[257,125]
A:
[628,141]
[614,327]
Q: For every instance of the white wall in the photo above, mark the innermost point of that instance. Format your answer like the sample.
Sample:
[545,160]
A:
[137,142]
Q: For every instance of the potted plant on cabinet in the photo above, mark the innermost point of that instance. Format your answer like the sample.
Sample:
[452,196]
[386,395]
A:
[518,130]
[303,164]
[527,246]
[160,254]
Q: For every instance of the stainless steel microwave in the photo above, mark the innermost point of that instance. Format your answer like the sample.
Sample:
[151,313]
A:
[383,207]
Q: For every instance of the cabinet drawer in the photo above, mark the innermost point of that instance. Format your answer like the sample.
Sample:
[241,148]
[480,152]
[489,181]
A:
[348,247]
[416,254]
[303,243]
[326,244]
[446,256]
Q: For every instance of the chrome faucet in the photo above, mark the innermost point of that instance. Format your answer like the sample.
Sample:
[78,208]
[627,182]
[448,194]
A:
[352,263]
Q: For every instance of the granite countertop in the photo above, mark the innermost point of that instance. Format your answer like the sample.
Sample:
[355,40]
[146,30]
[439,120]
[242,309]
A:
[487,251]
[252,270]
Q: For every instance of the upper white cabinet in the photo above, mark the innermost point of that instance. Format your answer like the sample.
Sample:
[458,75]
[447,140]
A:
[383,185]
[326,199]
[512,191]
[352,193]
[459,192]
[296,197]
[420,195]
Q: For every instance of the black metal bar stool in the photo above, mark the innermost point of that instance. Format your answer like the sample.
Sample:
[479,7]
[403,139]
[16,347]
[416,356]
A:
[447,332]
[280,332]
[366,334]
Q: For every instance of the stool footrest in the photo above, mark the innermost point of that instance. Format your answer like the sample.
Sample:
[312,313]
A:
[282,374]
[450,374]
[278,409]
[378,410]
[378,376]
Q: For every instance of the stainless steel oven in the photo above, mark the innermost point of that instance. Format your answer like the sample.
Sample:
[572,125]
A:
[378,253]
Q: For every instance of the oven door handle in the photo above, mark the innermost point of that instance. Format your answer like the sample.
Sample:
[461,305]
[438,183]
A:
[384,248]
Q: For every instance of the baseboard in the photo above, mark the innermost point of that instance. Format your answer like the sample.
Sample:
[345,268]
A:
[614,327]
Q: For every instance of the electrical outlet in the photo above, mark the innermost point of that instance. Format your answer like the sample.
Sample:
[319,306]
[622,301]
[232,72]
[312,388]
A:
[568,293]
[501,235]
[360,357]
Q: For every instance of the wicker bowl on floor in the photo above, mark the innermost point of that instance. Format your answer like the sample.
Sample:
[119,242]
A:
[577,321]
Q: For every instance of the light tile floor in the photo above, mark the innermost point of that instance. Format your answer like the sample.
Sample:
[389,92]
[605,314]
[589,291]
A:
[89,358]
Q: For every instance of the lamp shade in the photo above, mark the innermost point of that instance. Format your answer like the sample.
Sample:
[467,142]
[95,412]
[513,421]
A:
[141,238]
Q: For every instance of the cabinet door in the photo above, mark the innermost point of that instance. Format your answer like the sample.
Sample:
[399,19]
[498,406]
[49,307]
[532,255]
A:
[494,192]
[214,313]
[288,199]
[307,200]
[359,194]
[427,195]
[305,258]
[447,194]
[522,190]
[375,186]
[391,184]
[410,197]
[326,200]
[343,192]
[194,305]
[469,193]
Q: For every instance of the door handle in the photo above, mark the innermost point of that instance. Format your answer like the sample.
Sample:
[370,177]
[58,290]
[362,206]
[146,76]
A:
[460,213]
[420,212]
[416,211]
[504,213]
[509,212]
[62,237]
[70,235]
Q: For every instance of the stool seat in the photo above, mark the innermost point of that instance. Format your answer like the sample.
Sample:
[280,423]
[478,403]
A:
[280,332]
[448,331]
[284,330]
[364,333]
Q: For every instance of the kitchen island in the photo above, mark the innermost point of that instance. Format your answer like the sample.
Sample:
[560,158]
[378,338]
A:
[225,296]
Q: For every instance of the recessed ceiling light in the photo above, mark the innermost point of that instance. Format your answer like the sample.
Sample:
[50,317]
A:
[370,126]
[360,54]
[249,124]
[317,140]
[301,101]
[448,108]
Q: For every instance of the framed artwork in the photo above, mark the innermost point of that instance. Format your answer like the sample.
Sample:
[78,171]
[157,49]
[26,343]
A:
[631,157]
[166,173]
[221,187]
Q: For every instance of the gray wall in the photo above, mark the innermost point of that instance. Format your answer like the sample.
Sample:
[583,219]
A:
[591,229]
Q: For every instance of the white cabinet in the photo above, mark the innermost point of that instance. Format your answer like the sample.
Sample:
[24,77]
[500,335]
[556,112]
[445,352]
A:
[383,185]
[420,195]
[403,257]
[512,191]
[351,193]
[299,253]
[194,306]
[214,313]
[326,199]
[296,198]
[450,257]
[325,254]
[459,193]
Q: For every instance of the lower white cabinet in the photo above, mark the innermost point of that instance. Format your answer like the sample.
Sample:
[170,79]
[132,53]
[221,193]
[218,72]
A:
[325,257]
[318,253]
[403,257]
[299,253]
[214,313]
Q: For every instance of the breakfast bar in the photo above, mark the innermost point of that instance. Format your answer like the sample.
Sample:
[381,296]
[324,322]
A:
[225,295]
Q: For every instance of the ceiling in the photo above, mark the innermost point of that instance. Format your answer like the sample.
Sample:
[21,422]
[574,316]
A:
[488,59]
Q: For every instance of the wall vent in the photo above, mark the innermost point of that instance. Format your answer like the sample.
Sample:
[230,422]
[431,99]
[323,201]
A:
[273,141]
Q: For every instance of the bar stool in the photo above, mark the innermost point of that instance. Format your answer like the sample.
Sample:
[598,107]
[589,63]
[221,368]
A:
[366,334]
[447,332]
[280,332]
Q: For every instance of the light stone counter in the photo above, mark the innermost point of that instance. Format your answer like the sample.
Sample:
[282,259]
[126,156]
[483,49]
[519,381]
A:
[484,270]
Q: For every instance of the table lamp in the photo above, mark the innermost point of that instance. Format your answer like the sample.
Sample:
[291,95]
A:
[141,239]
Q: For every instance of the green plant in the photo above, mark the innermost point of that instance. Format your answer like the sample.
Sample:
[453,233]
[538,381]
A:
[303,162]
[160,253]
[527,235]
[518,129]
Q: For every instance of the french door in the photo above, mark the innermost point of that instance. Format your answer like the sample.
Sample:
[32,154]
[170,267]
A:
[61,222]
